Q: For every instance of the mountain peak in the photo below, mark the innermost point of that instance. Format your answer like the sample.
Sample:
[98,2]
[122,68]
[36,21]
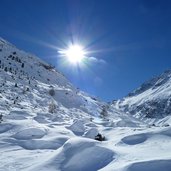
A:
[152,99]
[152,83]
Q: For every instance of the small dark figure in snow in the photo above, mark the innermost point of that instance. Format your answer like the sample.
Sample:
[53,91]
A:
[99,137]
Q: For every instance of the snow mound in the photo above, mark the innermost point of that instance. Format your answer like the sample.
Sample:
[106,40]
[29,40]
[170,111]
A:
[4,127]
[78,154]
[91,125]
[126,123]
[155,165]
[41,119]
[77,127]
[30,133]
[82,155]
[43,144]
[135,139]
[166,132]
[17,115]
[91,133]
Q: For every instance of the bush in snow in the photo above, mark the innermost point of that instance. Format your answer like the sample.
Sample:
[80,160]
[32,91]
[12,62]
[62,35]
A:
[5,69]
[52,92]
[52,107]
[104,113]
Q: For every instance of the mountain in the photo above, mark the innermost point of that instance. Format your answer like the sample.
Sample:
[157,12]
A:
[48,124]
[151,100]
[26,82]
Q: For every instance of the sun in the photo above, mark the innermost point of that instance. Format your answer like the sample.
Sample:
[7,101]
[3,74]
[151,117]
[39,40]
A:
[74,54]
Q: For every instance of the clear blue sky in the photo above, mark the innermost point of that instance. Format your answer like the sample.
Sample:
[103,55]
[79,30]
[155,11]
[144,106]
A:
[133,37]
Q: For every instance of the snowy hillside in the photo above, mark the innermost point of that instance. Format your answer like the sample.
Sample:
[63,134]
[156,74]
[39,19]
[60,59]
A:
[30,80]
[47,124]
[151,100]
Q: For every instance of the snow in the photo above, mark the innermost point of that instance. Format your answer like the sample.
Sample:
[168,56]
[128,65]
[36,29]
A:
[30,133]
[134,139]
[79,154]
[89,155]
[91,133]
[43,144]
[156,165]
[5,127]
[151,100]
[33,138]
[77,127]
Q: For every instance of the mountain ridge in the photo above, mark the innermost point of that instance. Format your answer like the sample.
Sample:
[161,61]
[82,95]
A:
[151,100]
[138,103]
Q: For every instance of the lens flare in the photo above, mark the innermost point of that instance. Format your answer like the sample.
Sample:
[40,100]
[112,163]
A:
[75,54]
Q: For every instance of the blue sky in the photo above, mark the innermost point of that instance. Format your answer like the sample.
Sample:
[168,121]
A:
[129,41]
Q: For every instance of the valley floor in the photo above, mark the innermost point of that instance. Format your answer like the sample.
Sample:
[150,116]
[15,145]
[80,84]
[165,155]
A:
[32,142]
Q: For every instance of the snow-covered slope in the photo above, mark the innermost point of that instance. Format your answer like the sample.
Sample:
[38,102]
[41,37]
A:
[49,125]
[27,79]
[151,100]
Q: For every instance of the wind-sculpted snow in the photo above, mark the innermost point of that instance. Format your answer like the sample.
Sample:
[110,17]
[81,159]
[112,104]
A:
[5,127]
[89,155]
[15,117]
[91,133]
[30,133]
[79,154]
[135,139]
[54,147]
[42,144]
[156,165]
[166,132]
[77,127]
